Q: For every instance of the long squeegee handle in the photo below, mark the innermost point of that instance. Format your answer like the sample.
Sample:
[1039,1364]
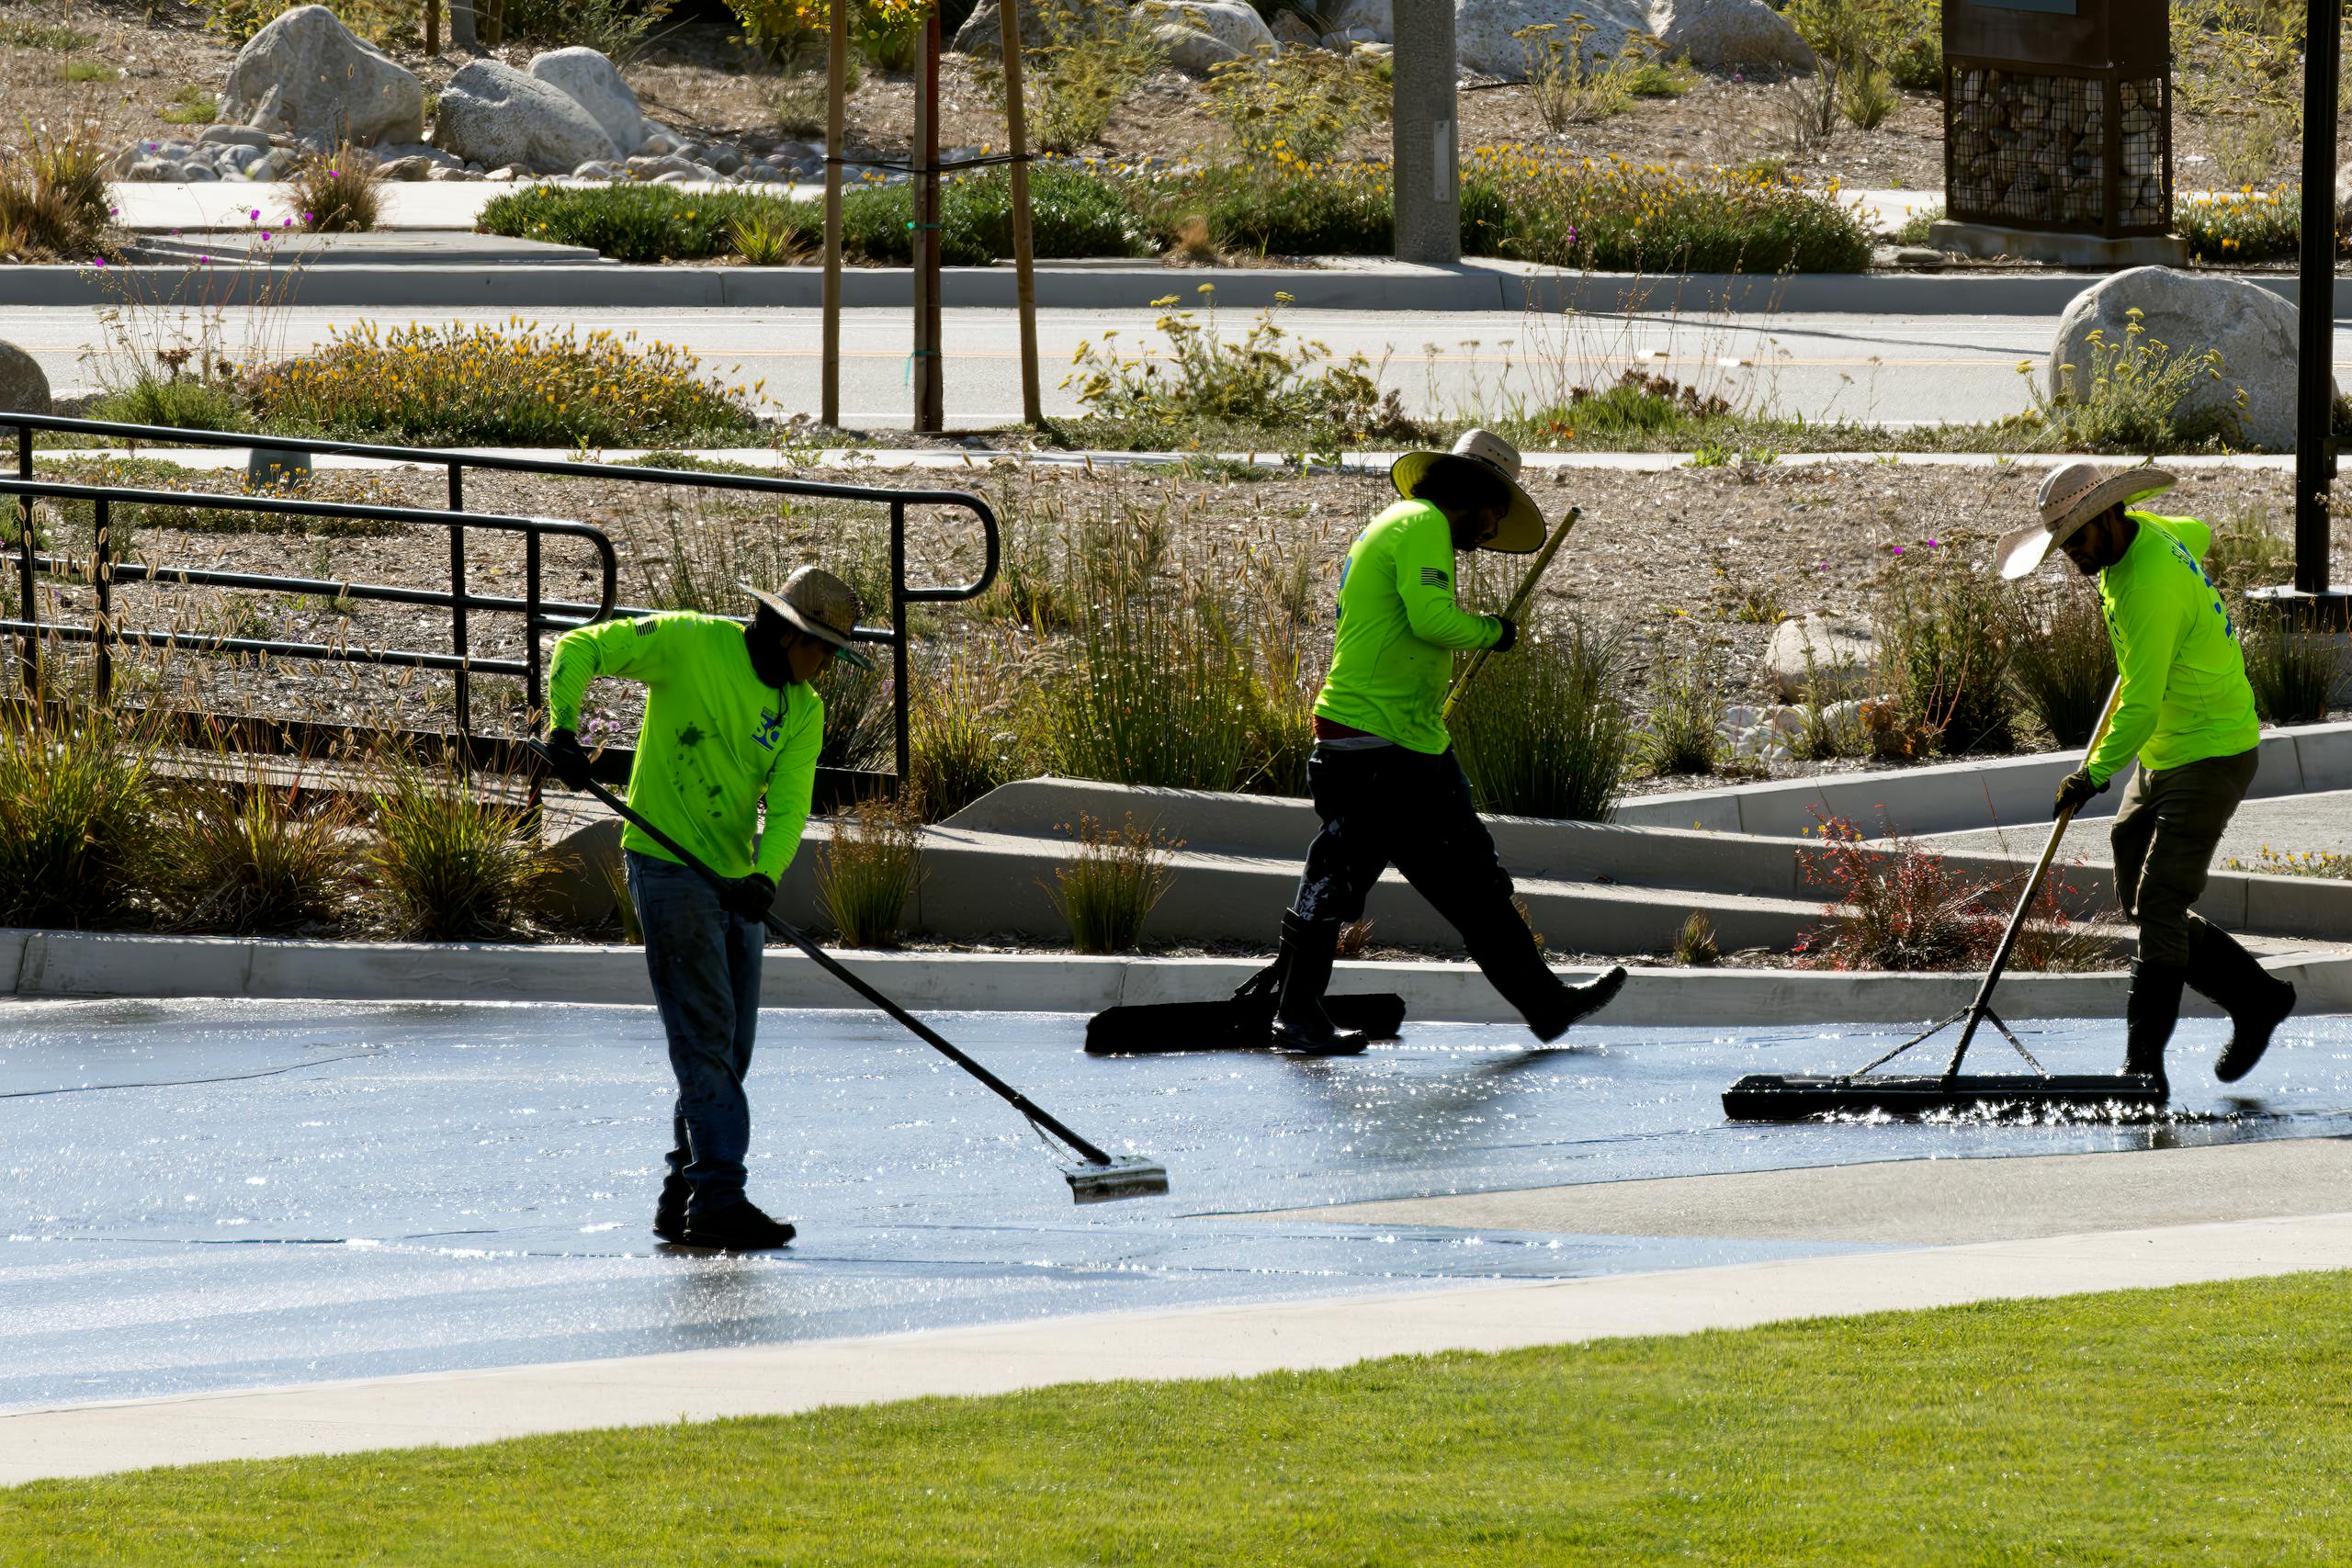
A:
[840,972]
[1983,1002]
[1516,608]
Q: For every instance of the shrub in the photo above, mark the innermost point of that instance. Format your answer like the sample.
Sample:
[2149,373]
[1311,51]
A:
[2293,672]
[769,239]
[1656,78]
[1918,228]
[1947,632]
[1107,893]
[2135,396]
[2234,227]
[868,871]
[1866,97]
[1543,207]
[1638,403]
[335,192]
[1267,387]
[1096,52]
[636,223]
[184,403]
[54,198]
[960,734]
[247,855]
[1570,84]
[451,862]
[2248,553]
[382,22]
[1296,106]
[1544,731]
[77,810]
[2065,665]
[1285,210]
[499,386]
[1901,908]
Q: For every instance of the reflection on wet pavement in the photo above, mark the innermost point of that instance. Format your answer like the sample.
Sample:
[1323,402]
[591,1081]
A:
[366,1189]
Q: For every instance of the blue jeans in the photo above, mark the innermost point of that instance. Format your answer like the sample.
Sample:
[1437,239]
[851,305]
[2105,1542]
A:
[706,968]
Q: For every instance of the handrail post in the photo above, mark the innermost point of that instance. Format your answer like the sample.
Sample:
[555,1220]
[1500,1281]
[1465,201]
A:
[532,695]
[898,705]
[26,594]
[102,585]
[463,694]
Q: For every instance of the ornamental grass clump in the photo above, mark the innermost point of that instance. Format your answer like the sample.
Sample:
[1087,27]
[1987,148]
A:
[961,725]
[78,842]
[868,870]
[2294,673]
[1545,730]
[2063,663]
[860,722]
[248,855]
[337,192]
[54,198]
[1108,891]
[510,385]
[1947,631]
[450,861]
[1894,906]
[1686,711]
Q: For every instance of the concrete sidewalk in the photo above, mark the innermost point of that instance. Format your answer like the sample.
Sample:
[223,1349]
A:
[484,1406]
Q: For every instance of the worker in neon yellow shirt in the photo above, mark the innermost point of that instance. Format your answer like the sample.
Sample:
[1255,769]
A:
[1385,782]
[732,728]
[2186,714]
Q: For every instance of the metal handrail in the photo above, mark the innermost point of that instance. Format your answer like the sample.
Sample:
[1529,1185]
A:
[459,601]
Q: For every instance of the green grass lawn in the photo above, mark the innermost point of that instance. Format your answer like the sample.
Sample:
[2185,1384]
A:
[2204,1424]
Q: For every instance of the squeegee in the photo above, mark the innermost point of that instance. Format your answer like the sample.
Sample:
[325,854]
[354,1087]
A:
[1098,1177]
[1245,1021]
[1779,1097]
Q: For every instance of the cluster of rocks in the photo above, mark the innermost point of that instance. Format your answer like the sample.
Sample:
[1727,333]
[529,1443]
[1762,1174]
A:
[2027,148]
[1717,35]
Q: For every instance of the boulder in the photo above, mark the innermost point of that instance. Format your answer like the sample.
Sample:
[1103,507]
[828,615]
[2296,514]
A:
[494,115]
[2253,330]
[1834,658]
[1377,17]
[1232,23]
[1721,35]
[1483,28]
[1292,32]
[1192,51]
[983,31]
[595,84]
[309,74]
[24,388]
[234,136]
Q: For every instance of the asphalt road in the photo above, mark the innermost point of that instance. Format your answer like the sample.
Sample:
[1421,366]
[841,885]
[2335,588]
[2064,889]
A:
[1886,369]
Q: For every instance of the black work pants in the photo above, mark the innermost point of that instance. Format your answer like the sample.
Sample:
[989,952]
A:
[1389,805]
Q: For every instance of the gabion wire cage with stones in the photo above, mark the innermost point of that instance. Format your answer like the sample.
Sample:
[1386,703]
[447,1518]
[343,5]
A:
[2047,126]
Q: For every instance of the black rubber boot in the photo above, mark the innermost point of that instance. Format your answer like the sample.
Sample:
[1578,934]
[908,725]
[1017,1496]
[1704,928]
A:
[2226,975]
[670,1211]
[739,1227]
[1506,954]
[1577,1002]
[1301,1027]
[2148,1017]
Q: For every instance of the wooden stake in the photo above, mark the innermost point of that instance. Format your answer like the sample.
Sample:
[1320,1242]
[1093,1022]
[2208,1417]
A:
[432,26]
[836,115]
[1016,119]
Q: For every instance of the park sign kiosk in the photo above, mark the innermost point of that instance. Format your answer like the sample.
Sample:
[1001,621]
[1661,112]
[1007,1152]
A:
[2058,131]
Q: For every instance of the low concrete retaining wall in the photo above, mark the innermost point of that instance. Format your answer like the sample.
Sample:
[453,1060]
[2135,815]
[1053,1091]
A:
[80,964]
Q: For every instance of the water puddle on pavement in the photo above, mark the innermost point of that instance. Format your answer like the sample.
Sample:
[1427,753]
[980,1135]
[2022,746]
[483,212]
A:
[206,1195]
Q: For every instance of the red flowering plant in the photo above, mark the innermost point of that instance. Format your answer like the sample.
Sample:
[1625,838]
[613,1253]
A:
[1895,906]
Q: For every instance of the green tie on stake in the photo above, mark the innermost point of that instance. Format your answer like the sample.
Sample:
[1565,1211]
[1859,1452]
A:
[1515,609]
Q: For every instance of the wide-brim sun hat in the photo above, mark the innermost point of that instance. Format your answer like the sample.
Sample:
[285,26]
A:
[2071,497]
[1521,530]
[822,605]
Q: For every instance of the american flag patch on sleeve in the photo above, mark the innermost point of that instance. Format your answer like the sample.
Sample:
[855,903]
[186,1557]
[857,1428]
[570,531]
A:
[1431,577]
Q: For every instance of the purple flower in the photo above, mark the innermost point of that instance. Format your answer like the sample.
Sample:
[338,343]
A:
[256,214]
[1896,548]
[98,261]
[1931,544]
[306,218]
[333,175]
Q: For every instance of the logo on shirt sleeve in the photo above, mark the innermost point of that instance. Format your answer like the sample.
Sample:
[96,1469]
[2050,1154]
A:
[1433,577]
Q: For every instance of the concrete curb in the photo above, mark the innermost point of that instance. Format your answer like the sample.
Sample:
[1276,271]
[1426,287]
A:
[487,1405]
[43,964]
[1351,285]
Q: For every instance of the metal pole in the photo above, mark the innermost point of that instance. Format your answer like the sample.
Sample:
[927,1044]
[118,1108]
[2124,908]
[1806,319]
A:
[899,641]
[836,116]
[1016,123]
[463,695]
[102,588]
[26,585]
[928,400]
[1428,197]
[2315,309]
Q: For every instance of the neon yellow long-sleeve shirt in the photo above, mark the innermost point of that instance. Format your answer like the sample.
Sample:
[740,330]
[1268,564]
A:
[1399,629]
[717,742]
[2185,691]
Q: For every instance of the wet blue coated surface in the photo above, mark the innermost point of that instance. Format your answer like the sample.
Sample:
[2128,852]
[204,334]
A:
[434,1187]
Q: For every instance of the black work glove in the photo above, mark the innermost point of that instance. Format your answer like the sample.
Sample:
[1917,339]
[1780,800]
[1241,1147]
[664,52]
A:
[569,762]
[2075,792]
[748,897]
[1509,640]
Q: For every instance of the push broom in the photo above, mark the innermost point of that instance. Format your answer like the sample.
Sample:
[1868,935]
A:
[1098,1177]
[1240,1022]
[1777,1097]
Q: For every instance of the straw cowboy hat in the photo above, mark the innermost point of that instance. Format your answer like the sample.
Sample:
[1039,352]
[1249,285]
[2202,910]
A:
[2071,497]
[1522,526]
[819,603]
